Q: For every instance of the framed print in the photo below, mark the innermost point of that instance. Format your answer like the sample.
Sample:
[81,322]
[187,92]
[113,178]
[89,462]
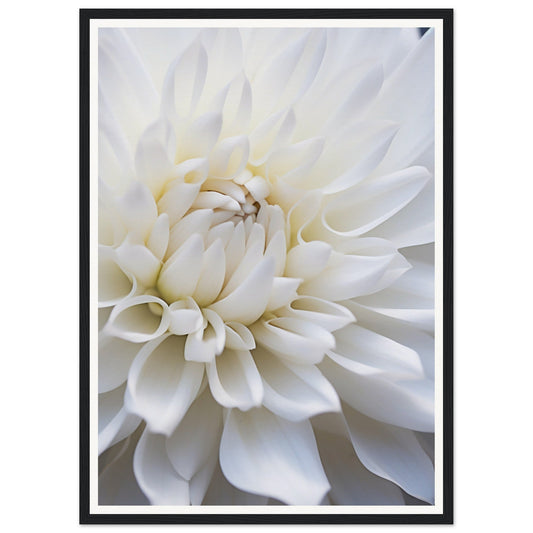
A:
[266,266]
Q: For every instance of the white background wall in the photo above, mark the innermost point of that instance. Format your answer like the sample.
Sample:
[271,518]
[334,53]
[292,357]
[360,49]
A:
[39,265]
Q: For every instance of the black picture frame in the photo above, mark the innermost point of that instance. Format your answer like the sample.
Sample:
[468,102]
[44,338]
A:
[446,517]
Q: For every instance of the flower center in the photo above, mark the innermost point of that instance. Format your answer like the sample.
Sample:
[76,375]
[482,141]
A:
[235,199]
[216,245]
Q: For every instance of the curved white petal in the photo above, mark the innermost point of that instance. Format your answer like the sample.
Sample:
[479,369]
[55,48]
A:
[409,89]
[234,380]
[264,454]
[359,350]
[185,317]
[408,404]
[393,453]
[283,292]
[114,285]
[161,384]
[114,422]
[238,337]
[134,321]
[294,392]
[410,298]
[140,261]
[179,275]
[154,156]
[292,163]
[367,205]
[328,315]
[115,160]
[351,482]
[220,45]
[138,211]
[289,74]
[349,94]
[199,138]
[307,260]
[158,47]
[114,360]
[161,484]
[301,215]
[253,254]
[212,274]
[204,344]
[197,222]
[197,436]
[158,240]
[125,83]
[295,340]
[235,250]
[403,333]
[277,248]
[350,276]
[184,82]
[237,110]
[373,145]
[200,482]
[414,224]
[177,199]
[270,135]
[229,157]
[240,306]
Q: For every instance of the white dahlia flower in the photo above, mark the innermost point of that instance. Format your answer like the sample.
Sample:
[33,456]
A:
[266,266]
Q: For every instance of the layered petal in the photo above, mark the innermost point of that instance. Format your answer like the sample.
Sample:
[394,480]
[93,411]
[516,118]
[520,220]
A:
[192,444]
[351,482]
[160,483]
[161,384]
[393,453]
[235,381]
[294,392]
[264,454]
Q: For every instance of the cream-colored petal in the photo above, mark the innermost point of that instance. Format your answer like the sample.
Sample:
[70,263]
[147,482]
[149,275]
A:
[162,385]
[114,285]
[248,301]
[197,222]
[197,436]
[158,241]
[235,381]
[284,291]
[212,274]
[307,260]
[138,210]
[238,337]
[265,454]
[184,82]
[179,275]
[229,157]
[133,320]
[160,483]
[140,261]
[292,339]
[326,314]
[203,345]
[185,317]
[294,392]
[177,199]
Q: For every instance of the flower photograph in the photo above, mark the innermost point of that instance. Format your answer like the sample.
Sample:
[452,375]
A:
[265,265]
